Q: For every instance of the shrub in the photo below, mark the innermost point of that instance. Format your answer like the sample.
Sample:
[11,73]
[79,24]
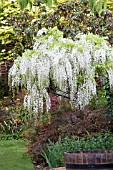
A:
[14,122]
[7,33]
[75,17]
[54,152]
[17,29]
[64,122]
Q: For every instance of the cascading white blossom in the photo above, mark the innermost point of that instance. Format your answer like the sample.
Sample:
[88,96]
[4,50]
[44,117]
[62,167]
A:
[69,65]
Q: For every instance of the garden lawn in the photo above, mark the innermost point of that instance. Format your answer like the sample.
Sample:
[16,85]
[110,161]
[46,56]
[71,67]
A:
[13,156]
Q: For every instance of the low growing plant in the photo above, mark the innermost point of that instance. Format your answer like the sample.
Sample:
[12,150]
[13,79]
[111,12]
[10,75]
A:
[16,121]
[64,122]
[54,152]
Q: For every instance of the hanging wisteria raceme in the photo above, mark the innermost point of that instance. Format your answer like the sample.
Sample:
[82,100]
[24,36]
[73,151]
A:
[69,66]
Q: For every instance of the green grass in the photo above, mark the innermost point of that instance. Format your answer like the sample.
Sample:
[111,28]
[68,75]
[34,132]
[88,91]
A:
[13,156]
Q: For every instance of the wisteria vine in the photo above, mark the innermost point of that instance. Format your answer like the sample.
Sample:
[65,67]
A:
[69,66]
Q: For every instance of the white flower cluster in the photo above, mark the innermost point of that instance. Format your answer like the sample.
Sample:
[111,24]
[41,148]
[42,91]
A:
[41,32]
[70,66]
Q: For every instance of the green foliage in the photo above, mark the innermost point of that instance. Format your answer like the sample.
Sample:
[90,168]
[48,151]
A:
[75,17]
[94,4]
[10,137]
[97,5]
[54,152]
[63,121]
[17,29]
[7,38]
[24,32]
[15,123]
[110,5]
[23,3]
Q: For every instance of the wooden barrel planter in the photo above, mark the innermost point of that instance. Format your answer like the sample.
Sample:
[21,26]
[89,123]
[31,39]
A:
[93,159]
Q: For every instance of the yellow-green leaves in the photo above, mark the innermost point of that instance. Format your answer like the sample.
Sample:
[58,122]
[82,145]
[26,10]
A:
[98,5]
[105,4]
[23,3]
[5,32]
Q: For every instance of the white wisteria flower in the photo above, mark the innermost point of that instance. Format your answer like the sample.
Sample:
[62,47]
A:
[41,32]
[68,65]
